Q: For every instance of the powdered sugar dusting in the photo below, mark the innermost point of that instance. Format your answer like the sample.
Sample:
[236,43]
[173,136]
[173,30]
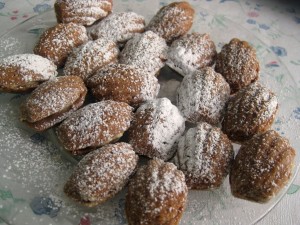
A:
[191,52]
[172,21]
[54,96]
[102,173]
[85,60]
[157,188]
[165,127]
[85,12]
[57,42]
[262,167]
[204,155]
[202,96]
[95,125]
[30,66]
[10,46]
[237,62]
[252,107]
[164,182]
[124,24]
[147,51]
[150,87]
[125,83]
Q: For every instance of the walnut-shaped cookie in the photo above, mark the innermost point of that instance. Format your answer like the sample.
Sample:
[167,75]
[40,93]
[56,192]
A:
[251,111]
[53,101]
[124,83]
[81,12]
[24,72]
[204,154]
[94,125]
[147,51]
[118,27]
[191,52]
[202,96]
[262,167]
[157,194]
[101,174]
[172,21]
[88,58]
[56,43]
[238,63]
[156,126]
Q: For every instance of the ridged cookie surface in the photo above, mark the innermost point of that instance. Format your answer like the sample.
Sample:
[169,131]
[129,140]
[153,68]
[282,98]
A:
[94,125]
[124,83]
[157,195]
[238,63]
[124,24]
[172,21]
[24,72]
[88,58]
[57,42]
[147,51]
[202,96]
[53,101]
[204,154]
[157,124]
[101,174]
[83,12]
[251,111]
[262,167]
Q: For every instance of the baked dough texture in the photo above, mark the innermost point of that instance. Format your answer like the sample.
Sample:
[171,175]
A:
[83,12]
[94,125]
[101,174]
[157,194]
[24,72]
[262,167]
[53,101]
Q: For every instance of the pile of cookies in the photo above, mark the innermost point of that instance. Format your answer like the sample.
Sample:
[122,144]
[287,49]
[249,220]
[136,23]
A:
[116,58]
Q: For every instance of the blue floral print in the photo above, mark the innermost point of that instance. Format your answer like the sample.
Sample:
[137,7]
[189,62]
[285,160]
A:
[2,4]
[280,51]
[43,205]
[39,8]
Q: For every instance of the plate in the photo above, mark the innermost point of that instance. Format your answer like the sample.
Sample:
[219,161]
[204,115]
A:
[34,168]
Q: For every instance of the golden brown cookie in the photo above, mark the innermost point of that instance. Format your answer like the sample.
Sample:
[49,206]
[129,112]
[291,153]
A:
[94,125]
[124,24]
[157,194]
[81,12]
[101,174]
[57,42]
[24,72]
[88,58]
[191,52]
[172,21]
[251,111]
[238,63]
[124,83]
[53,101]
[147,51]
[204,154]
[262,167]
[202,96]
[156,126]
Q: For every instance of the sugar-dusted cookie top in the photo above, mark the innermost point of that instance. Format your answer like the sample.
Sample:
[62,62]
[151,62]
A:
[83,12]
[24,72]
[172,21]
[118,27]
[94,125]
[56,43]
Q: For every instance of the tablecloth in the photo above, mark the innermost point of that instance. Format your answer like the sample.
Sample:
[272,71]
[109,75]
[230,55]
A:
[276,23]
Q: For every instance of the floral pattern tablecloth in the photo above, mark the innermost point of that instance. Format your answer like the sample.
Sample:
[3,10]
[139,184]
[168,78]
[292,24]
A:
[276,23]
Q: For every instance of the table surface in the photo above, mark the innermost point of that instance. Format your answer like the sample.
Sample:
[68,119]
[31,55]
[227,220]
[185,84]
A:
[276,23]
